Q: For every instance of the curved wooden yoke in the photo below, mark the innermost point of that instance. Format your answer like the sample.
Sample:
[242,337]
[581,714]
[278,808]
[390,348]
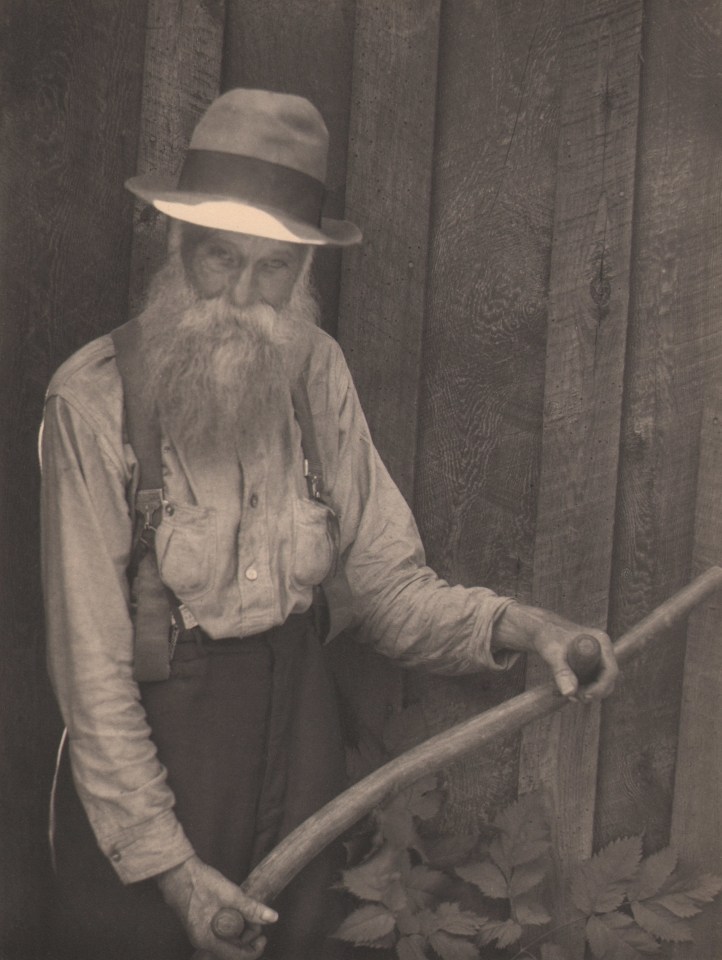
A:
[276,871]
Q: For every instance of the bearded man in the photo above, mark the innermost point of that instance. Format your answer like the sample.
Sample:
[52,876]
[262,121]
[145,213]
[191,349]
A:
[227,421]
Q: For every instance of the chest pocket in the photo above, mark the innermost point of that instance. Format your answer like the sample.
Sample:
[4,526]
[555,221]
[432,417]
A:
[316,541]
[185,544]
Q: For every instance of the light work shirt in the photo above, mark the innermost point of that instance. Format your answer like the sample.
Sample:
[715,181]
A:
[241,544]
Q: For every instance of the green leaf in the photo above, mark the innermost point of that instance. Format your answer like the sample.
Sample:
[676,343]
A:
[525,831]
[453,948]
[498,854]
[598,885]
[527,876]
[660,922]
[615,936]
[385,943]
[529,912]
[448,851]
[366,926]
[408,923]
[452,919]
[505,932]
[487,877]
[552,951]
[422,799]
[508,853]
[395,825]
[428,922]
[374,879]
[411,948]
[426,805]
[684,898]
[395,820]
[421,884]
[356,847]
[678,904]
[653,873]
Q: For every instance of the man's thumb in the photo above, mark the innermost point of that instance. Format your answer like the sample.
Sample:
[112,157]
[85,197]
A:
[231,920]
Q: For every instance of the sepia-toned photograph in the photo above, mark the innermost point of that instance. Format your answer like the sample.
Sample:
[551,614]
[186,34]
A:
[361,492]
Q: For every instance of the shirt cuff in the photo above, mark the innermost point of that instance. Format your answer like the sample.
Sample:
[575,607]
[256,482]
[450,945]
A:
[482,657]
[147,849]
[473,654]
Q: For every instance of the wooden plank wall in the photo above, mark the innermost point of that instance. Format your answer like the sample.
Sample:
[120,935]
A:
[483,358]
[388,195]
[589,295]
[673,351]
[71,87]
[697,797]
[181,75]
[538,401]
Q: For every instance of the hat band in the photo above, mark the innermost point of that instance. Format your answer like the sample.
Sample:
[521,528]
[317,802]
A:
[253,181]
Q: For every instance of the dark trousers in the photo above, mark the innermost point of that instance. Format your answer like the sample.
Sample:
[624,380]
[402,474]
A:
[249,733]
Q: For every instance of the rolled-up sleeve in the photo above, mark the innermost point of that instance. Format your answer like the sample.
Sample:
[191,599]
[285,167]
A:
[86,540]
[401,606]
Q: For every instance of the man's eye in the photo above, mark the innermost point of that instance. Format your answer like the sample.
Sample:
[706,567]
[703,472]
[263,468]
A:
[220,256]
[275,264]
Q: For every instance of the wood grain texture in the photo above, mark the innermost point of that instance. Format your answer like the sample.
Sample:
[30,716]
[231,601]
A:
[673,349]
[483,350]
[181,76]
[387,193]
[304,47]
[70,100]
[589,294]
[381,303]
[696,831]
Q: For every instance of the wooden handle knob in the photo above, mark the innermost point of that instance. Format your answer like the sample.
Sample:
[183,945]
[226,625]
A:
[228,923]
[585,658]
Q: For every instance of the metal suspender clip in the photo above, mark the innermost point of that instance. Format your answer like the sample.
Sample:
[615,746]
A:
[314,481]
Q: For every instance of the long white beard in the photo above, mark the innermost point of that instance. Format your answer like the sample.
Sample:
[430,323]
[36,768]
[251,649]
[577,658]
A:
[220,376]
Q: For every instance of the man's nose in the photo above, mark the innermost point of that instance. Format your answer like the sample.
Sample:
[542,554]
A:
[242,288]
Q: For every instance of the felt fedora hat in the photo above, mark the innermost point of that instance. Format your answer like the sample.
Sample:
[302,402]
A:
[256,164]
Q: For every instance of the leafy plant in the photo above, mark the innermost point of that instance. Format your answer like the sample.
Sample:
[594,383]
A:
[629,904]
[457,897]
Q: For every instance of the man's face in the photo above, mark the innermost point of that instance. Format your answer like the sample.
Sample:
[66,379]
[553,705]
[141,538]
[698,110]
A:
[245,270]
[226,329]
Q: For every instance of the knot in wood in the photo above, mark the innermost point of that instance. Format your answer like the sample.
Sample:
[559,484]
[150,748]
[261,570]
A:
[601,291]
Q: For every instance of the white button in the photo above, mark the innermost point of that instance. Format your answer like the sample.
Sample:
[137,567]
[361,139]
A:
[251,573]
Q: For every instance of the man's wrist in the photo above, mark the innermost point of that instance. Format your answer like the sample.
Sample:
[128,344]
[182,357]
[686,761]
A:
[518,628]
[175,878]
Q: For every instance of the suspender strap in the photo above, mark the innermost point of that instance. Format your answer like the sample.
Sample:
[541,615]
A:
[151,601]
[142,424]
[309,444]
[314,479]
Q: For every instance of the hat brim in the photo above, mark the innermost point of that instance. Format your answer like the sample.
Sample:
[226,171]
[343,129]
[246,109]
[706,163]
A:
[219,212]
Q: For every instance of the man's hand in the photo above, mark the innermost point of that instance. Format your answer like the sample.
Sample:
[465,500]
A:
[197,892]
[551,637]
